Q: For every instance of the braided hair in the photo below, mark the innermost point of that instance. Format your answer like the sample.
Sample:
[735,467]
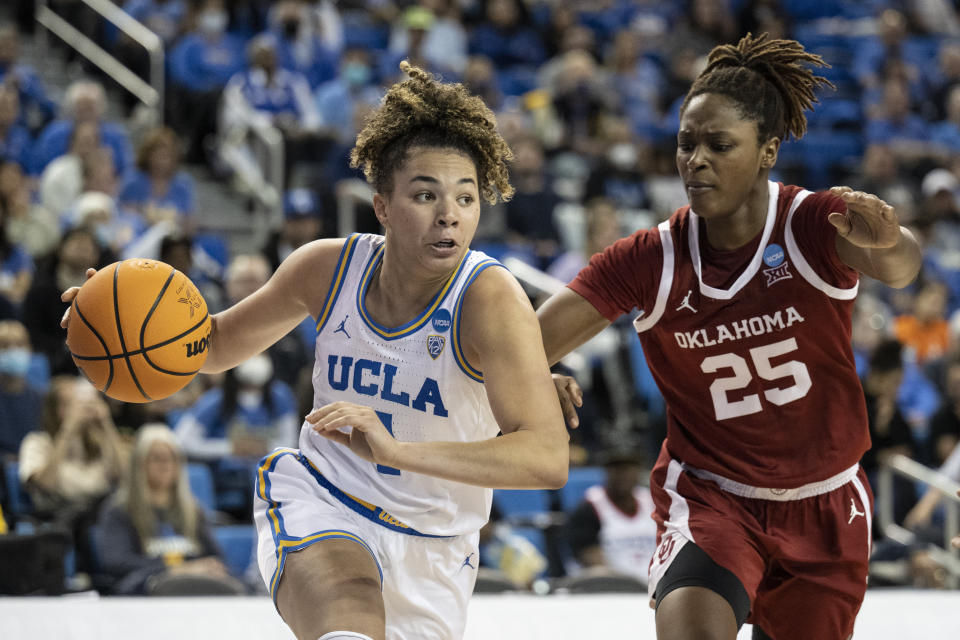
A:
[423,112]
[767,80]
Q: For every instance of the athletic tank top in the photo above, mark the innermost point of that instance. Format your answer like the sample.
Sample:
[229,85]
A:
[417,380]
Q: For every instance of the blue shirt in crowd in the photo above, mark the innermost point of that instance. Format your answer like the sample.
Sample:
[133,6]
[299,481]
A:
[199,65]
[137,192]
[54,141]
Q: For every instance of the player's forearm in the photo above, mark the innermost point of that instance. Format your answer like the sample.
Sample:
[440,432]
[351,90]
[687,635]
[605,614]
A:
[898,265]
[519,460]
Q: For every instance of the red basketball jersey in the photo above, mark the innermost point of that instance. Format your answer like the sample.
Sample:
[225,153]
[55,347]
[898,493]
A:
[750,348]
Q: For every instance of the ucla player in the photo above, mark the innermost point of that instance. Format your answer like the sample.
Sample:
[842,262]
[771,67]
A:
[745,298]
[425,351]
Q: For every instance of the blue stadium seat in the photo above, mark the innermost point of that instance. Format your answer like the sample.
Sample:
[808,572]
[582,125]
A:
[521,503]
[201,484]
[578,481]
[237,543]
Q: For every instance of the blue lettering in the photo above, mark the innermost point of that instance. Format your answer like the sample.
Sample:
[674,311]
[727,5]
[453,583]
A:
[345,363]
[387,392]
[430,392]
[365,365]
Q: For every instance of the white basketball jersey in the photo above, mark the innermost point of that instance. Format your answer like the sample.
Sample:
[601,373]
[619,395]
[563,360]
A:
[628,541]
[418,381]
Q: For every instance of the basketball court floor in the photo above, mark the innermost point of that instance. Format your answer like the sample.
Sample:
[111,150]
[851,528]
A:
[886,615]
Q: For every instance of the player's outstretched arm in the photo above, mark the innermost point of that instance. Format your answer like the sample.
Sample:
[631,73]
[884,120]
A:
[252,325]
[567,320]
[501,338]
[871,240]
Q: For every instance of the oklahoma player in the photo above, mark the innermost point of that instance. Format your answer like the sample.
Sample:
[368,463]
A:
[745,298]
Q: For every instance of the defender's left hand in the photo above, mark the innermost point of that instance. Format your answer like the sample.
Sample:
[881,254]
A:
[368,438]
[868,222]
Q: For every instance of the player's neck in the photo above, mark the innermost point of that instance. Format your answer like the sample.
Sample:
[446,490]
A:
[726,233]
[393,299]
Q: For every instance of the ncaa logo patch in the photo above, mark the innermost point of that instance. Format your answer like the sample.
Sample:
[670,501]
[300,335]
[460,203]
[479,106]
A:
[775,258]
[773,255]
[441,320]
[435,346]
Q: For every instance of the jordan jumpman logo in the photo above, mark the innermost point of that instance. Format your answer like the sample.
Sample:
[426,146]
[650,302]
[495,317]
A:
[686,302]
[343,326]
[853,511]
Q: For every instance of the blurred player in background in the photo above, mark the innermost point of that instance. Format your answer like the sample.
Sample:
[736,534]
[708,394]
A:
[745,298]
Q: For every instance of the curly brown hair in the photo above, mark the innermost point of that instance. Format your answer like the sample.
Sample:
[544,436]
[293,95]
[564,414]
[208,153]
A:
[768,81]
[421,111]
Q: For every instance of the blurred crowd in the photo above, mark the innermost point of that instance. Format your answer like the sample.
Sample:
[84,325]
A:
[586,93]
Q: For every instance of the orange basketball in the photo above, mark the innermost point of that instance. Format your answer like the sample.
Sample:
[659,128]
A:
[139,330]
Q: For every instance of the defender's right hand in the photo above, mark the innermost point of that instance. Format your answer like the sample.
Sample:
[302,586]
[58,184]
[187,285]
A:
[571,397]
[68,296]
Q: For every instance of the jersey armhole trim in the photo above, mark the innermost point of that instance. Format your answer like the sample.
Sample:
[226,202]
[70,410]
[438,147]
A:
[472,372]
[803,267]
[343,264]
[645,322]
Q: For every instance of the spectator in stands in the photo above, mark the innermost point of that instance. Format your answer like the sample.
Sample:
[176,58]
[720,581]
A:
[28,224]
[409,40]
[42,308]
[612,528]
[114,228]
[880,174]
[200,64]
[234,425]
[302,223]
[480,78]
[925,331]
[261,97]
[36,108]
[897,126]
[444,43]
[893,45]
[68,469]
[602,228]
[299,47]
[530,213]
[639,80]
[153,528]
[337,99]
[20,401]
[505,36]
[944,430]
[582,99]
[945,79]
[16,267]
[15,142]
[61,183]
[889,432]
[157,188]
[705,25]
[85,101]
[292,355]
[620,173]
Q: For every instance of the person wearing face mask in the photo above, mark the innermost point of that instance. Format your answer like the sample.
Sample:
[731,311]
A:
[233,425]
[619,176]
[530,213]
[20,401]
[298,46]
[200,64]
[42,308]
[337,99]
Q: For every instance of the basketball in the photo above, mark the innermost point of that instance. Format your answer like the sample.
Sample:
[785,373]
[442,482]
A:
[139,330]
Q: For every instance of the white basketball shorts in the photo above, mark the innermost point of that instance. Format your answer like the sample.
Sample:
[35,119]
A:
[426,580]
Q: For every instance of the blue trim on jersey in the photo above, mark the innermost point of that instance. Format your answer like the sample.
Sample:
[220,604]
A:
[343,264]
[289,545]
[369,511]
[461,359]
[286,544]
[393,333]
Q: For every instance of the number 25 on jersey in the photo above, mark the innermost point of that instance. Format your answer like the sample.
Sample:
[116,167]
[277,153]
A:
[726,409]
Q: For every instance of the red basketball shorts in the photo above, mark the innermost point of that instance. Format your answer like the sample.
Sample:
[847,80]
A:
[801,554]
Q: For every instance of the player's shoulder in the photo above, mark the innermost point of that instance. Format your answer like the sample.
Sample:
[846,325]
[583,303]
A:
[805,202]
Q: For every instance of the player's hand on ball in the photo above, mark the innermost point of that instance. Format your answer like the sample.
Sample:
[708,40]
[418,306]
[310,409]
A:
[868,222]
[368,438]
[68,296]
[571,397]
